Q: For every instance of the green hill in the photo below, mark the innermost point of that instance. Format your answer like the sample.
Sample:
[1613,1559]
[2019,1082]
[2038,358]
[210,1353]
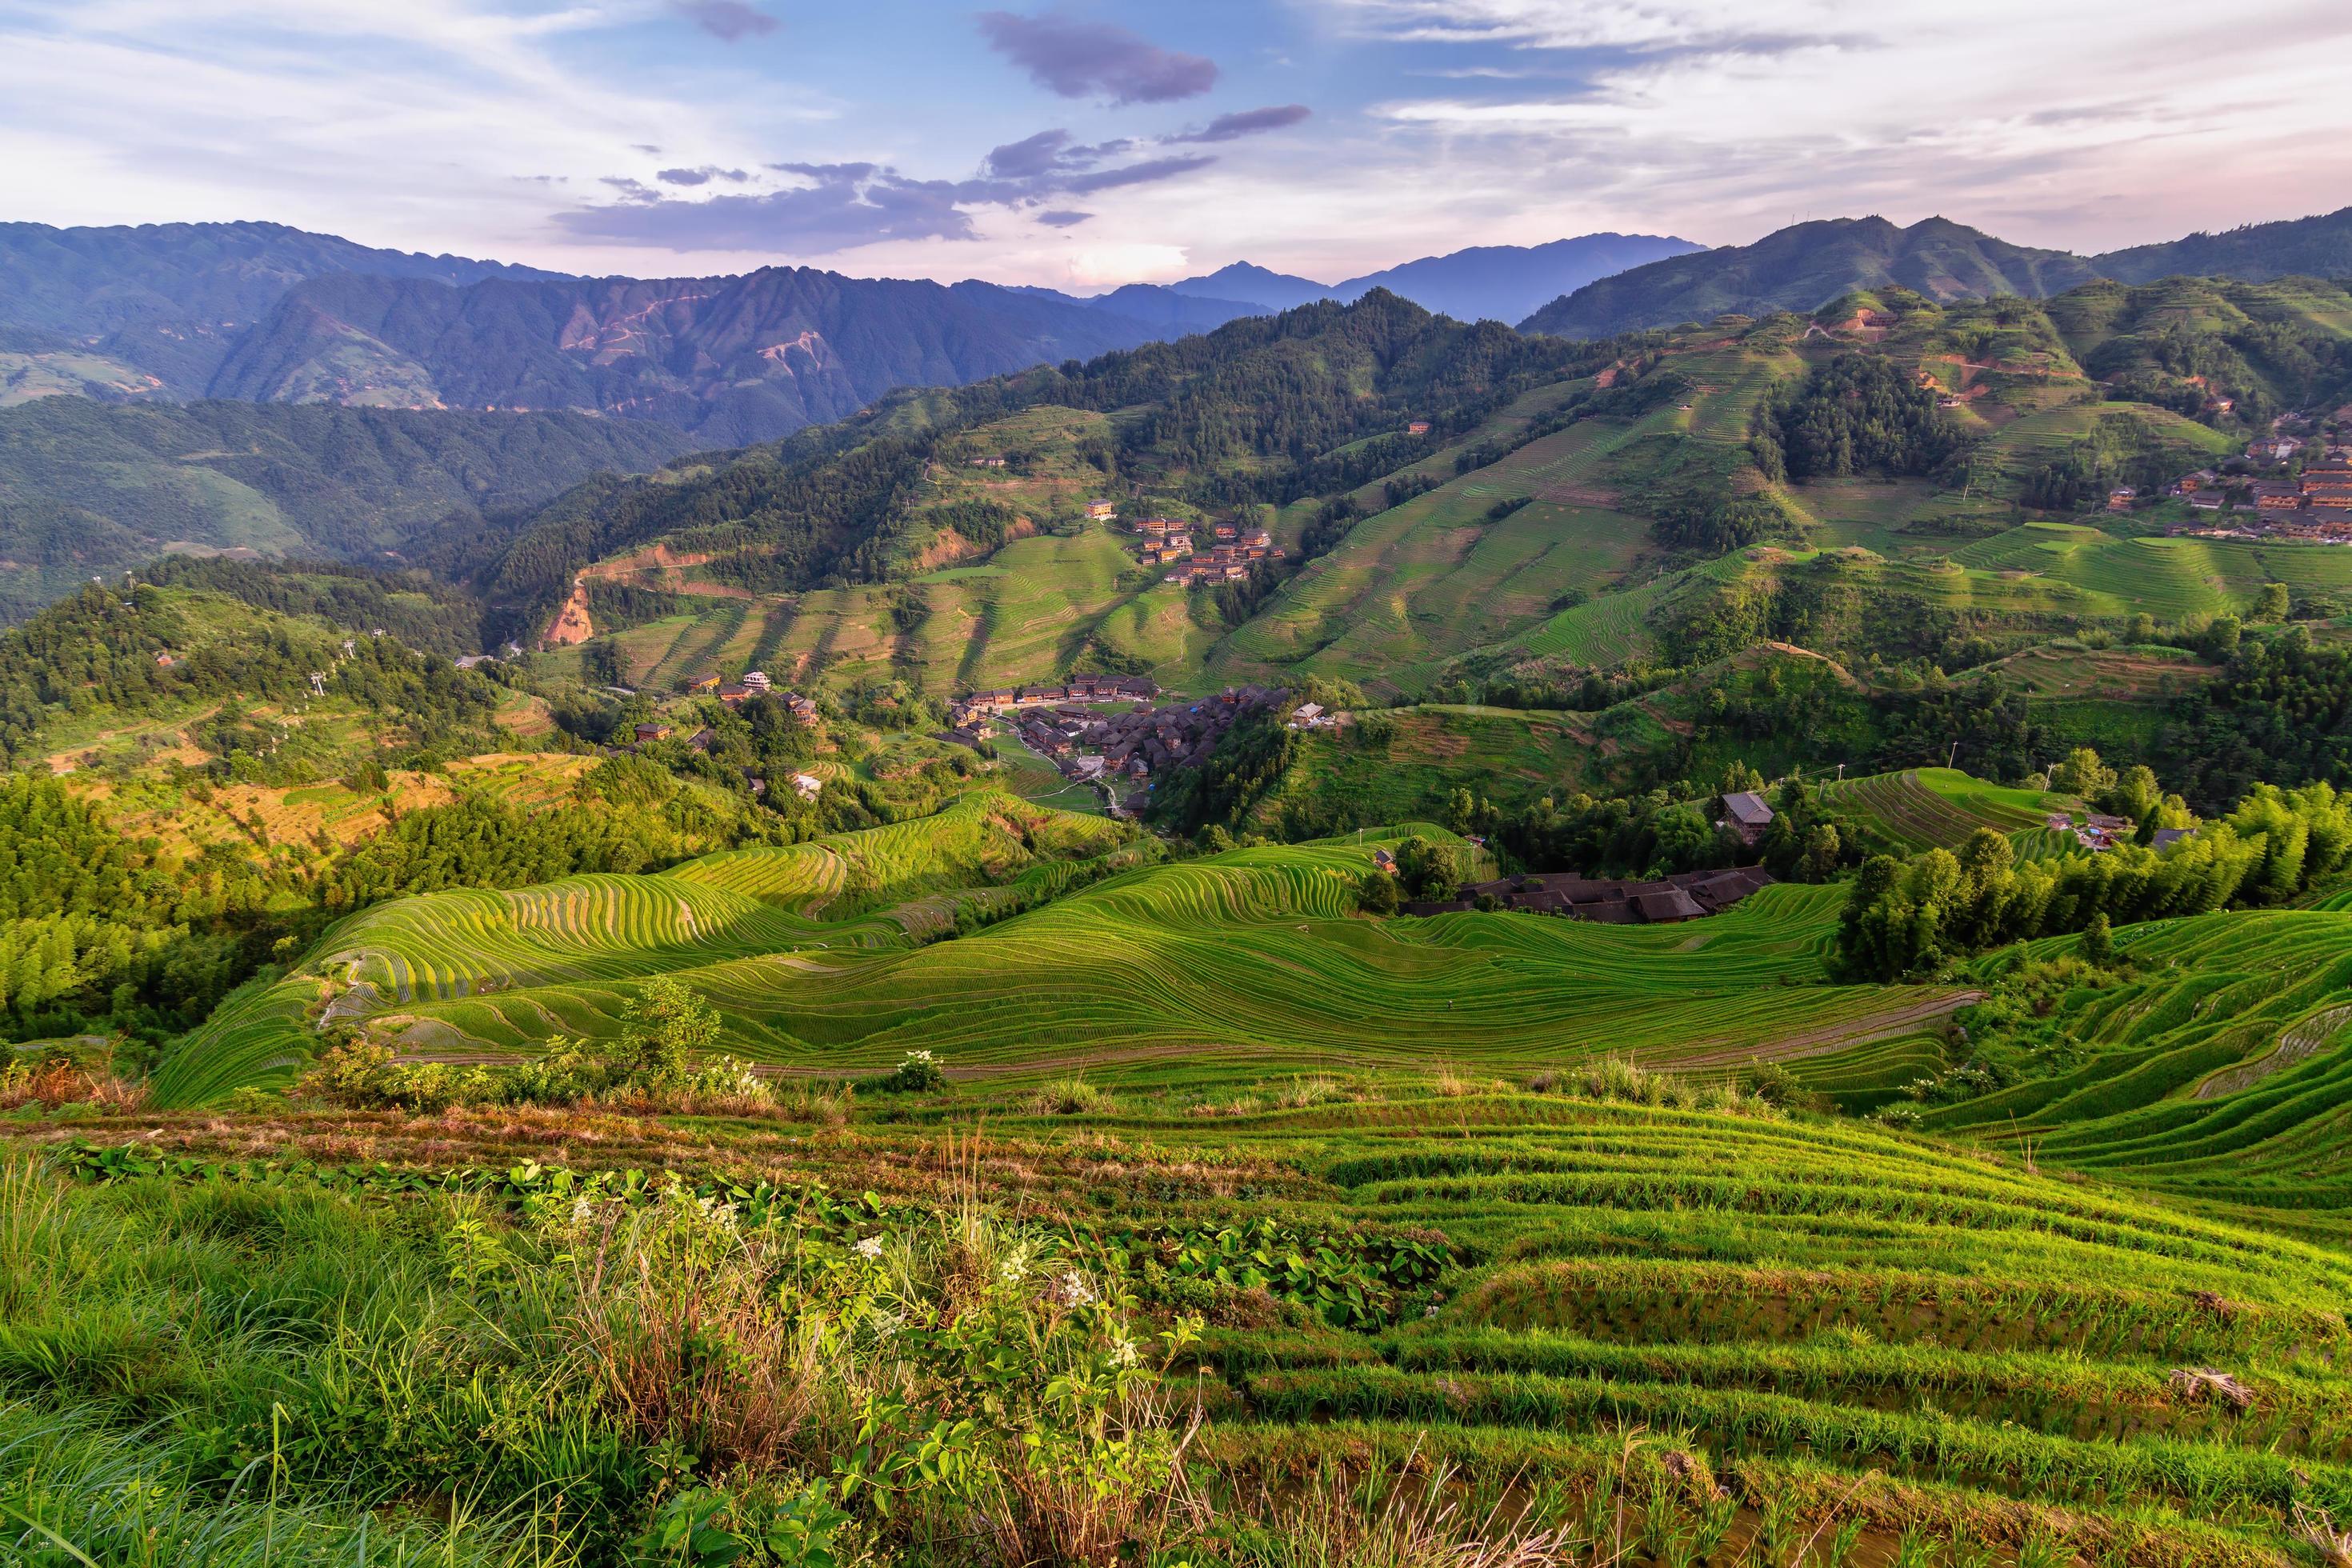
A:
[2210,1067]
[1252,956]
[89,490]
[1804,267]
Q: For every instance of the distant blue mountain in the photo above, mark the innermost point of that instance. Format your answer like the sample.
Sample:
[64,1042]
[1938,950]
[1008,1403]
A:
[1487,282]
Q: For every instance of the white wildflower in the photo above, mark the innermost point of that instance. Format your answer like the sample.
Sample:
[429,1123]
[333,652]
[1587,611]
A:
[1016,1266]
[582,1209]
[1123,1353]
[870,1247]
[1075,1289]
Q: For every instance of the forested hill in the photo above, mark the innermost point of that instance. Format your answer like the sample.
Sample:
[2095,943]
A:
[1258,410]
[87,489]
[734,360]
[169,299]
[2318,247]
[1804,267]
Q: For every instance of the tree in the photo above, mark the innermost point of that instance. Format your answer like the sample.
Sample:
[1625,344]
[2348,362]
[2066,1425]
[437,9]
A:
[668,1025]
[2081,773]
[1376,893]
[2098,943]
[1428,870]
[2270,605]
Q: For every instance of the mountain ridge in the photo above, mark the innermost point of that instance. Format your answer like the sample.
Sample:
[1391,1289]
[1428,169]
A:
[1804,266]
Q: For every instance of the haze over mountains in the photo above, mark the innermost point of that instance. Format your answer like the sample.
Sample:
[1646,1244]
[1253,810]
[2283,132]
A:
[1483,283]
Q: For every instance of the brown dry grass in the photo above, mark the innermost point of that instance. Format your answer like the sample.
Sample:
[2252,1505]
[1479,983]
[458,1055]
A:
[54,1085]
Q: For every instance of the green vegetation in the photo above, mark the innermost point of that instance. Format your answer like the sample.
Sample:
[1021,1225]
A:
[1603,1314]
[92,488]
[1912,917]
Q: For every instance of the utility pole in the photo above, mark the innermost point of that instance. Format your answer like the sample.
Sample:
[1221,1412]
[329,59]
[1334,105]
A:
[1953,754]
[1841,778]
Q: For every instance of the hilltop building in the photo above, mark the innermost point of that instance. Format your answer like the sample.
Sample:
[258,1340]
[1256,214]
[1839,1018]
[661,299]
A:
[1745,813]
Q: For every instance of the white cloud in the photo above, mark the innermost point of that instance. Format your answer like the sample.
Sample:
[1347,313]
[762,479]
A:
[2086,124]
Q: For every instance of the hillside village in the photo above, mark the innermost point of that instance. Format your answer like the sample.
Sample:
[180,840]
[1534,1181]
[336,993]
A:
[2284,488]
[1066,725]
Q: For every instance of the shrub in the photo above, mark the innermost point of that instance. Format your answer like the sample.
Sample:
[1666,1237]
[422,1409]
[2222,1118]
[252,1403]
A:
[919,1073]
[1071,1097]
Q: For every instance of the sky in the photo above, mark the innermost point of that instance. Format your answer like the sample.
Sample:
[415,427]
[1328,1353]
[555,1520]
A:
[1081,145]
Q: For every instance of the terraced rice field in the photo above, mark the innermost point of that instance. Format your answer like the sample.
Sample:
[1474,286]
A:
[1436,576]
[882,888]
[2169,578]
[1257,954]
[2221,1068]
[1926,808]
[1687,1335]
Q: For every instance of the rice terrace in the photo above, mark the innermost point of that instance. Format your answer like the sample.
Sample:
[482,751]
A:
[1051,857]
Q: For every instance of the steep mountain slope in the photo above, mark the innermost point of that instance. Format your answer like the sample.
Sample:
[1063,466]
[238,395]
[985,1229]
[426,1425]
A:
[1803,267]
[168,299]
[1507,282]
[731,359]
[87,488]
[2318,247]
[1265,407]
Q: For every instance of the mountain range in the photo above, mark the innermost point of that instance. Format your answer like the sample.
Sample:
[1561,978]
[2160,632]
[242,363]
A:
[260,312]
[1807,265]
[1483,283]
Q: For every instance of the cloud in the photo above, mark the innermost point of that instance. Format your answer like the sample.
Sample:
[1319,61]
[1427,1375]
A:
[1060,218]
[1248,123]
[728,19]
[1052,162]
[842,207]
[1095,60]
[1141,173]
[702,176]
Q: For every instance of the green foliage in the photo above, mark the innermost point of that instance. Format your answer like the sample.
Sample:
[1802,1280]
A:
[93,487]
[1426,869]
[1857,414]
[1248,761]
[1906,917]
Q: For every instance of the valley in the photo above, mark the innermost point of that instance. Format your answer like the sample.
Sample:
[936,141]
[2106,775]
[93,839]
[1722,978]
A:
[1718,942]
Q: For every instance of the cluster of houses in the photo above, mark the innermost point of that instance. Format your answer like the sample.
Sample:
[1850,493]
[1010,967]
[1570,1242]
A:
[755,683]
[1687,897]
[968,713]
[1109,749]
[1167,542]
[2314,503]
[2099,832]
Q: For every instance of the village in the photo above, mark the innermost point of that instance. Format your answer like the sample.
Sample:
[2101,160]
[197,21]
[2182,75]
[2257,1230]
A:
[734,694]
[1112,749]
[2285,487]
[1227,557]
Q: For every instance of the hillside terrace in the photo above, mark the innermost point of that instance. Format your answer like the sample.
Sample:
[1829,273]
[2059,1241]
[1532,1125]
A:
[1692,895]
